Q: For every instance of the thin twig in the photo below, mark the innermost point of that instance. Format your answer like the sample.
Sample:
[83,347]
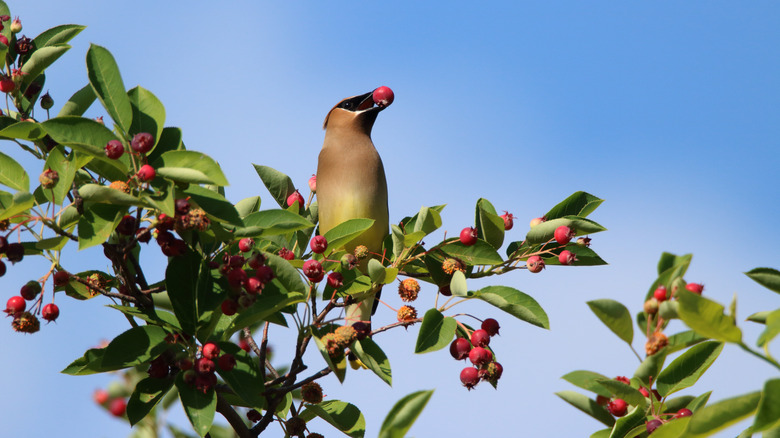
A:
[235,420]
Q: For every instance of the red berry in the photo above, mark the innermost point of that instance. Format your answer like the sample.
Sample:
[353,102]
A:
[146,173]
[535,264]
[617,407]
[509,220]
[253,285]
[100,396]
[383,96]
[563,234]
[126,226]
[204,365]
[460,348]
[15,304]
[567,257]
[142,142]
[15,252]
[335,280]
[696,288]
[468,236]
[313,270]
[469,376]
[257,260]
[684,412]
[286,254]
[237,278]
[264,273]
[660,293]
[254,416]
[491,326]
[480,338]
[318,244]
[7,84]
[652,425]
[295,197]
[480,356]
[3,268]
[229,307]
[185,364]
[4,39]
[313,183]
[623,379]
[244,344]
[114,149]
[50,312]
[158,368]
[182,206]
[210,350]
[236,261]
[30,290]
[117,407]
[246,244]
[61,278]
[226,362]
[644,392]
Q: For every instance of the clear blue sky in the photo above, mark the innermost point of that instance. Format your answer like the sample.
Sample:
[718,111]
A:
[668,110]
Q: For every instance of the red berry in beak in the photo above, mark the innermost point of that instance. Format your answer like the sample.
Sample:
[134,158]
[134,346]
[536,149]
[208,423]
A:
[383,96]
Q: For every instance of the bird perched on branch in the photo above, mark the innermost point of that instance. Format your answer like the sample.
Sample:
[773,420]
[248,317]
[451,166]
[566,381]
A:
[351,179]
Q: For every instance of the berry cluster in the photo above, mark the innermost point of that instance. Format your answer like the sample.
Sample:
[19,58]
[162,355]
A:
[25,321]
[244,288]
[619,407]
[475,349]
[115,405]
[200,373]
[656,340]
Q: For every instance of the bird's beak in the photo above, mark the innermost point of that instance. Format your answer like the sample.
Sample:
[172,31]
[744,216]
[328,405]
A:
[367,102]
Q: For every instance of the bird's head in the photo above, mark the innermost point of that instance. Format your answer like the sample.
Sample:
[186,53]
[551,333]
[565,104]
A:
[359,112]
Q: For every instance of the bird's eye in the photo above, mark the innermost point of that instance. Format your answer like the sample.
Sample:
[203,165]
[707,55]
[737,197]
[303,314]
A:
[346,105]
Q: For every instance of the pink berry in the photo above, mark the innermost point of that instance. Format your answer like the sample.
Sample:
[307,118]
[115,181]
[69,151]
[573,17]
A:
[563,234]
[226,362]
[253,285]
[509,220]
[617,407]
[491,326]
[696,288]
[4,40]
[567,257]
[313,270]
[480,356]
[335,280]
[644,392]
[61,278]
[313,183]
[469,376]
[286,254]
[229,307]
[684,412]
[117,407]
[142,142]
[146,173]
[623,379]
[7,84]
[237,278]
[460,348]
[480,338]
[257,260]
[295,197]
[660,293]
[318,244]
[244,344]
[468,236]
[204,365]
[210,350]
[15,304]
[50,312]
[246,244]
[100,396]
[534,264]
[383,96]
[114,149]
[652,425]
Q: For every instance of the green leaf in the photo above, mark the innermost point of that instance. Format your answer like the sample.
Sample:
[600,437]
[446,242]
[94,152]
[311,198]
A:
[625,424]
[244,378]
[336,364]
[286,274]
[546,230]
[148,392]
[12,174]
[759,317]
[97,223]
[344,416]
[615,316]
[278,184]
[684,339]
[107,82]
[699,401]
[66,167]
[82,134]
[403,414]
[190,166]
[90,363]
[578,204]
[587,380]
[79,103]
[57,35]
[23,130]
[772,329]
[374,358]
[515,303]
[489,225]
[685,370]
[588,406]
[672,429]
[436,332]
[481,253]
[650,367]
[706,317]
[272,222]
[199,406]
[18,203]
[170,140]
[427,220]
[768,414]
[39,60]
[148,112]
[135,346]
[342,234]
[623,391]
[248,205]
[266,305]
[720,415]
[214,204]
[767,277]
[181,278]
[376,271]
[458,286]
[107,195]
[152,316]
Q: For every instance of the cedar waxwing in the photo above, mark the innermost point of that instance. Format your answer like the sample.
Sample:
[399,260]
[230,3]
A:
[351,181]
